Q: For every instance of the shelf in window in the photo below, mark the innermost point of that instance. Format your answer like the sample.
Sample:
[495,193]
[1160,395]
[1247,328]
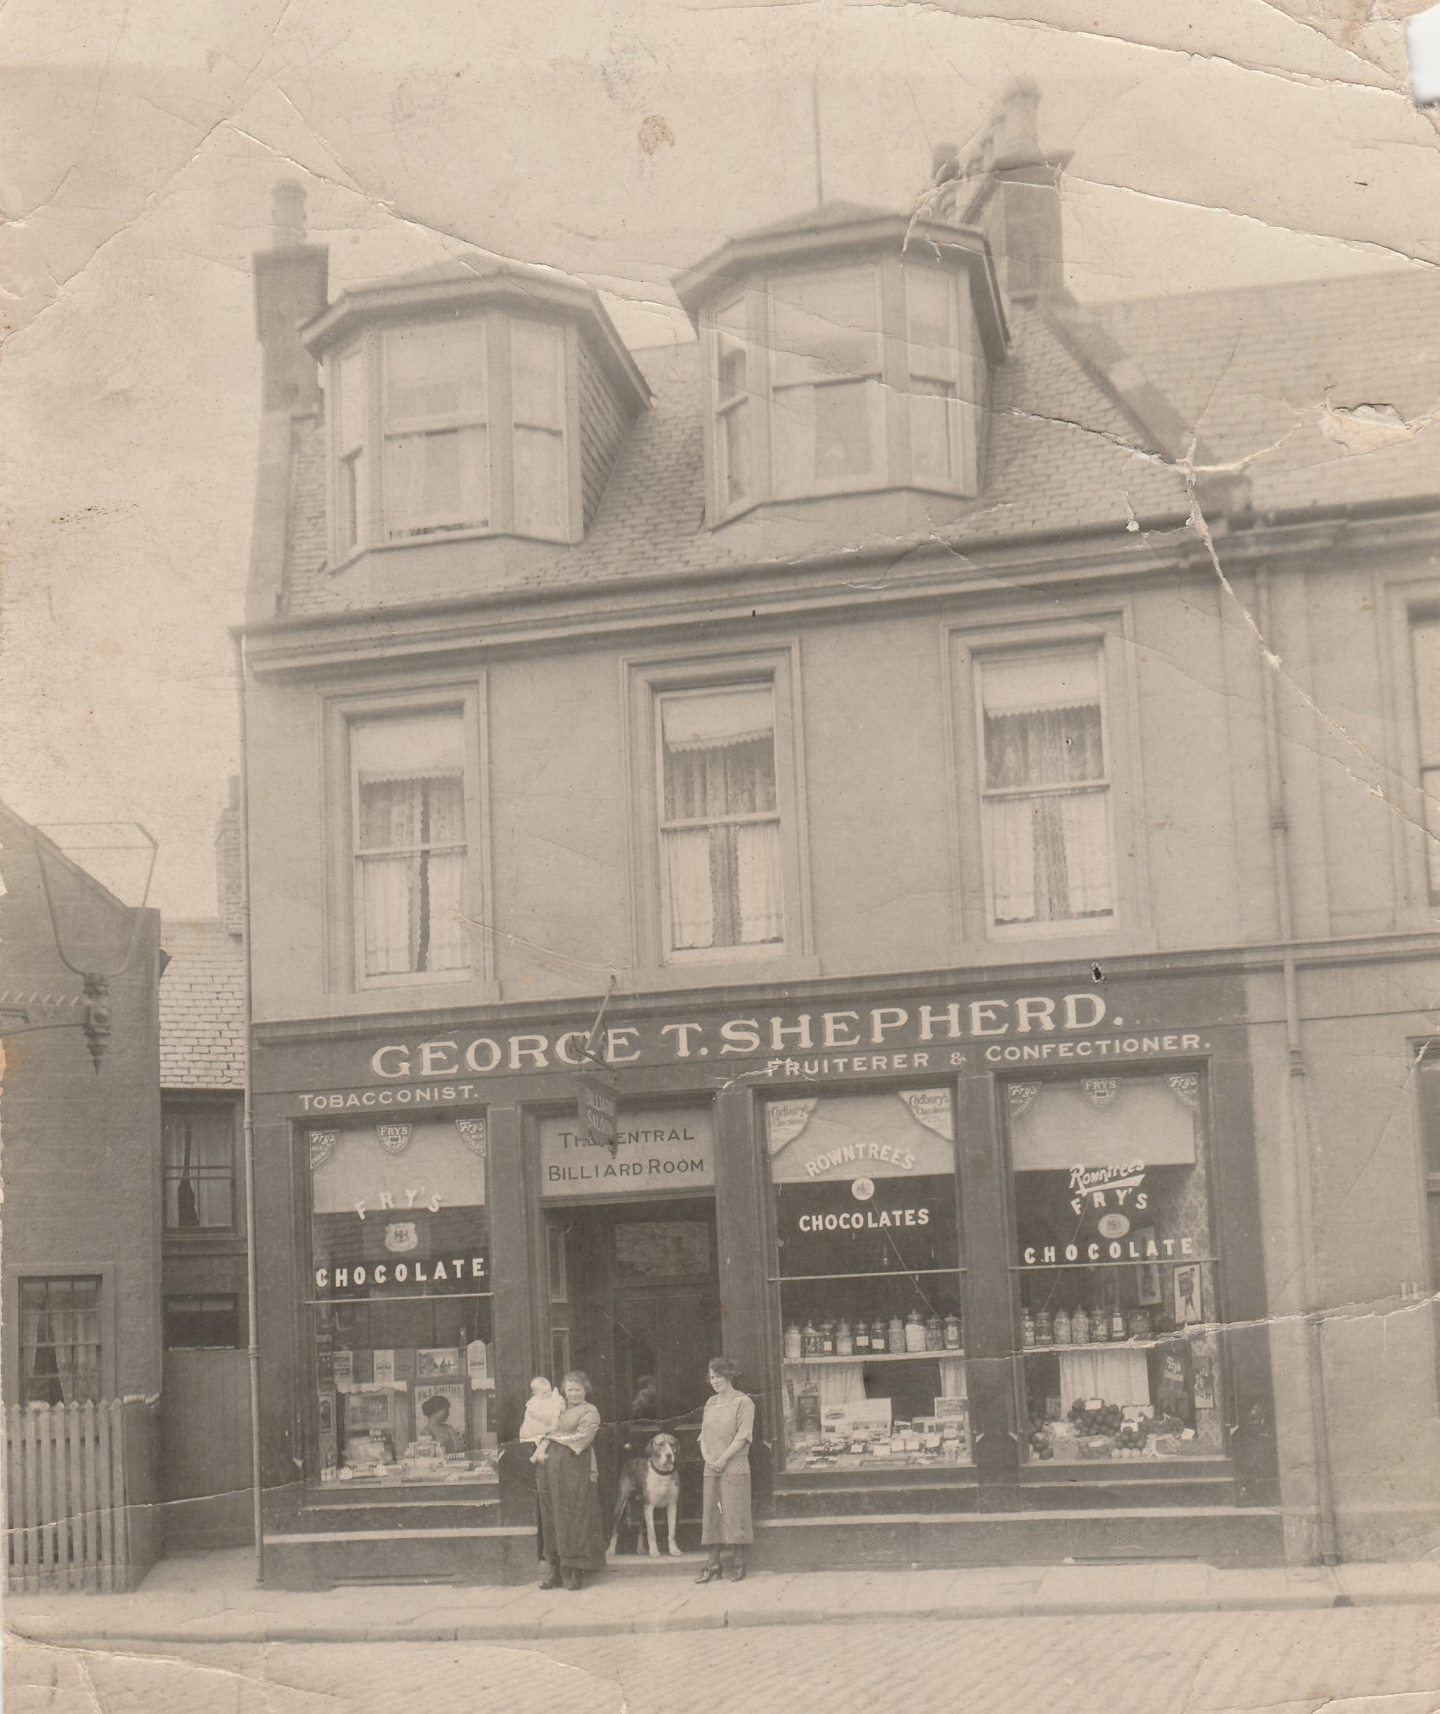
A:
[1096,1345]
[882,1274]
[884,1357]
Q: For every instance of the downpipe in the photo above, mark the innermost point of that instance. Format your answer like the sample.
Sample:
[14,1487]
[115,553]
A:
[1303,1143]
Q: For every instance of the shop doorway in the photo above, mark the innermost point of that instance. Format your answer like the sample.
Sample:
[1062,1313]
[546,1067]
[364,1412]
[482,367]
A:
[635,1302]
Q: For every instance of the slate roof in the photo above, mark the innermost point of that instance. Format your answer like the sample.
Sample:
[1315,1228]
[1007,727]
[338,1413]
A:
[1087,417]
[202,1008]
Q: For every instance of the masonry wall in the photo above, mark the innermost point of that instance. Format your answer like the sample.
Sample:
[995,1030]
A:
[82,1148]
[887,784]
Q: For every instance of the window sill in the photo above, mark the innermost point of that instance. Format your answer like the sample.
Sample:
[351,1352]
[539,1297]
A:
[727,973]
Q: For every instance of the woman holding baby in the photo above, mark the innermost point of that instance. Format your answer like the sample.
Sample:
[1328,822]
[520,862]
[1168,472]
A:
[572,1535]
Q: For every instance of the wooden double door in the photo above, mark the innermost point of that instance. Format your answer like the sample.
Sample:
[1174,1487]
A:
[635,1302]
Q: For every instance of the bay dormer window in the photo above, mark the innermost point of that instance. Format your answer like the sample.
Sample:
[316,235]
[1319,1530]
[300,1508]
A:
[843,381]
[468,403]
[847,352]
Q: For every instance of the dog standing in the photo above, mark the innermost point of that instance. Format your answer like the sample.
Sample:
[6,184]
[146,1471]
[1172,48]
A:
[655,1479]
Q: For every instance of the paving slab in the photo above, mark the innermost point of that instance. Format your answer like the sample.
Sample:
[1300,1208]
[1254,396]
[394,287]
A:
[1162,1588]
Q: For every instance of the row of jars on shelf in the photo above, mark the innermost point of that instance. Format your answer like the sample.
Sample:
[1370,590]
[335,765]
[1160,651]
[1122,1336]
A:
[895,1337]
[1081,1326]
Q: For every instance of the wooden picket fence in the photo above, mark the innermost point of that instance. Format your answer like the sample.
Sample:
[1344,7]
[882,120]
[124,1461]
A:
[67,1521]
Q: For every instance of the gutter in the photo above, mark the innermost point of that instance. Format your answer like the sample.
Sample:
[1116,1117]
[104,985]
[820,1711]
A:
[1299,1138]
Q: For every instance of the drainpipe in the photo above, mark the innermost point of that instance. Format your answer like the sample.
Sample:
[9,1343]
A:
[252,1267]
[1303,1153]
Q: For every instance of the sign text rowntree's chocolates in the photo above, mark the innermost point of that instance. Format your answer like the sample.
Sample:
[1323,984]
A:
[918,1036]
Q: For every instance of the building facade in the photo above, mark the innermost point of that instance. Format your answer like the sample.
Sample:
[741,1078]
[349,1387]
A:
[974,748]
[82,1229]
[205,1407]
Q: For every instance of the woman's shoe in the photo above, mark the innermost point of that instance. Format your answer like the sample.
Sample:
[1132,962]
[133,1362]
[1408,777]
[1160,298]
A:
[708,1574]
[571,1578]
[737,1571]
[550,1581]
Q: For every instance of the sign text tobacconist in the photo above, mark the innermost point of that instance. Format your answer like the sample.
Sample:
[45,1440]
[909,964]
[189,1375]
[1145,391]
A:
[1029,1029]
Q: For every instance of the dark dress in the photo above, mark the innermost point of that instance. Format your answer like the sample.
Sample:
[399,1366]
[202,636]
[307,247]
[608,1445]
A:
[567,1487]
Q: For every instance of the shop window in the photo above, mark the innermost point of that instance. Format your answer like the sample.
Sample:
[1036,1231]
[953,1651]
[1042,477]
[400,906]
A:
[199,1151]
[402,1304]
[720,831]
[1425,649]
[202,1322]
[1045,788]
[408,790]
[869,1281]
[1116,1311]
[60,1339]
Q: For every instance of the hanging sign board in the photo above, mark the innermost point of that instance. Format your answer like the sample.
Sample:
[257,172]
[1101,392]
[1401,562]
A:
[598,1106]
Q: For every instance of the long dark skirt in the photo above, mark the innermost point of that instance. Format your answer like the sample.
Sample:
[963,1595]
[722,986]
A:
[570,1526]
[725,1508]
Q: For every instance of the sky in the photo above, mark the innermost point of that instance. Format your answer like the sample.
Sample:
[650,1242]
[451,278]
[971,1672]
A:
[619,140]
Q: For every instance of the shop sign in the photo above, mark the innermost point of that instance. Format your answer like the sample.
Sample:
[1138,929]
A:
[938,1036]
[428,1272]
[658,1149]
[1130,1249]
[868,1225]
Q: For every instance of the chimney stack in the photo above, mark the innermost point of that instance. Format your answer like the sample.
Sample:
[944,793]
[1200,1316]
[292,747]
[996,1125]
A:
[228,873]
[291,287]
[1006,184]
[1028,184]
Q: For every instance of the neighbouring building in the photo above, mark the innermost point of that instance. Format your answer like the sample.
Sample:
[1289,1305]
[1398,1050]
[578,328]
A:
[80,1361]
[206,1466]
[985,747]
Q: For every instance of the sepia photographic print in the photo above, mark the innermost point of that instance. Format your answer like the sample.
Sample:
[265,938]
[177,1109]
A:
[720,833]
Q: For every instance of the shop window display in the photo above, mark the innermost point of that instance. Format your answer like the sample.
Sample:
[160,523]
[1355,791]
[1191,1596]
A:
[401,1304]
[1115,1269]
[869,1281]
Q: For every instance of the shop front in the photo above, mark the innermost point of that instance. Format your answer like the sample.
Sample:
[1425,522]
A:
[988,1256]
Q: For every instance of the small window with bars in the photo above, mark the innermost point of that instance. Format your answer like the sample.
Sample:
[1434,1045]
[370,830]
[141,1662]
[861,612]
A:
[60,1339]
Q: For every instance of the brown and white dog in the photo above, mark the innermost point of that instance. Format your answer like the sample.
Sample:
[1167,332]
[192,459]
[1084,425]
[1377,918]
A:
[655,1479]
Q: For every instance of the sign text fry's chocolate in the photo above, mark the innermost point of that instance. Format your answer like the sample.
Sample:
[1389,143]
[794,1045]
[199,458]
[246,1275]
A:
[654,1041]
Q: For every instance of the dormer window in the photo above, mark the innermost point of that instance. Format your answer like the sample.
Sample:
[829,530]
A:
[473,420]
[847,351]
[437,450]
[826,365]
[842,381]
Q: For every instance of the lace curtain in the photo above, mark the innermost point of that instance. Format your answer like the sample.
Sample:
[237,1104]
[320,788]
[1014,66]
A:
[412,869]
[723,879]
[1050,844]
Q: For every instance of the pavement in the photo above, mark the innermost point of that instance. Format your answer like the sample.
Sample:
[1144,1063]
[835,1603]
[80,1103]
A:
[212,1598]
